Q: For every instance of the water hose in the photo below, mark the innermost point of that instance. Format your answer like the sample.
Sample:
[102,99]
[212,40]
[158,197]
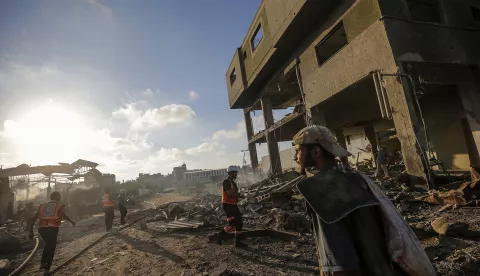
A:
[27,260]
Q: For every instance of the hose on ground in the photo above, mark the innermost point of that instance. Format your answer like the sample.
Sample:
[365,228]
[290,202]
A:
[27,260]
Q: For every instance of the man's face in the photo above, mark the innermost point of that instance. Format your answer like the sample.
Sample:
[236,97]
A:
[304,158]
[234,175]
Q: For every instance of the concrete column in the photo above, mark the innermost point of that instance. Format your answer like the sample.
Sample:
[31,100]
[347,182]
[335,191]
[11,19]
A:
[407,126]
[340,137]
[49,188]
[470,95]
[252,148]
[372,137]
[273,152]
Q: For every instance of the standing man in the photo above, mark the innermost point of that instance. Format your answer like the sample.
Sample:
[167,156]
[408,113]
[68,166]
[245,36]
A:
[28,214]
[382,159]
[347,226]
[50,216]
[230,198]
[122,206]
[109,209]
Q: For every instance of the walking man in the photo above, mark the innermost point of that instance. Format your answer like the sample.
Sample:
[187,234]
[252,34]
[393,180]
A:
[109,210]
[348,230]
[230,198]
[50,216]
[122,206]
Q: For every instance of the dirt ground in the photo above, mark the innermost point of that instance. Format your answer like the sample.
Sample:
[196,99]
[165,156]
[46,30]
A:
[137,252]
[72,239]
[178,252]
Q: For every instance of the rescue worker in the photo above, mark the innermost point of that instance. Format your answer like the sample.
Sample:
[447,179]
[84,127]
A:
[347,226]
[122,206]
[109,209]
[230,196]
[50,216]
[28,214]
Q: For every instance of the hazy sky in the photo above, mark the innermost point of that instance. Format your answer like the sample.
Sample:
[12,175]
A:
[136,86]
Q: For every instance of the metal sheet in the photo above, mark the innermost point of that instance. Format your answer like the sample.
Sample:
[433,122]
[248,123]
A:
[176,224]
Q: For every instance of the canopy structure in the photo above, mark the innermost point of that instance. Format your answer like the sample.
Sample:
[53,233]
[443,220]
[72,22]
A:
[25,176]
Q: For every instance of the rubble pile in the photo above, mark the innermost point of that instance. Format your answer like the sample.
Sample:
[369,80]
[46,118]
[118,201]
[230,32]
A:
[446,221]
[14,246]
[270,203]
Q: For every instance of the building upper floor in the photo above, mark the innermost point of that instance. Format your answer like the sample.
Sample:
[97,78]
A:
[282,31]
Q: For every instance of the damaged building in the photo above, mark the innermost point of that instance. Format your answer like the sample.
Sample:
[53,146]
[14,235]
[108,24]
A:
[402,74]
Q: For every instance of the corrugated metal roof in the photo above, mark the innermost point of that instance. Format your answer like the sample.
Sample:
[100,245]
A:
[176,224]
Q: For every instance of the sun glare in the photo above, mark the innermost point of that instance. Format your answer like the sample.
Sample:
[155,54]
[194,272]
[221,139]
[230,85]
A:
[48,134]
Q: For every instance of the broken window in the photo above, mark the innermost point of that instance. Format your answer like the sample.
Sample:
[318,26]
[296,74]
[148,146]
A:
[424,10]
[348,139]
[233,76]
[476,13]
[257,38]
[331,44]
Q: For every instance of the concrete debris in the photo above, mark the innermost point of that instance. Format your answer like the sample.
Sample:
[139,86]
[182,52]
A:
[445,227]
[9,243]
[158,217]
[222,270]
[452,197]
[4,264]
[175,210]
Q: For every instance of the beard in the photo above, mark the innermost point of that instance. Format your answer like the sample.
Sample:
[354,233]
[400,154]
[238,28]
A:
[309,162]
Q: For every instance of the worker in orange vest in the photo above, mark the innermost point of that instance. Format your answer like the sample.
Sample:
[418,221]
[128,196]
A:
[50,216]
[109,209]
[230,196]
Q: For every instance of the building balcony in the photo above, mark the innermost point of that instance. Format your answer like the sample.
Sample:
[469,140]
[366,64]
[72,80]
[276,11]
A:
[283,130]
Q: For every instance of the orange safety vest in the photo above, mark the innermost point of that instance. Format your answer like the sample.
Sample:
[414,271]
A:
[230,199]
[106,201]
[50,215]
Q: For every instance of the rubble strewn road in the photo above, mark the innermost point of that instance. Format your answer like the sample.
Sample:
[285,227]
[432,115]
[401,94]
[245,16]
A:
[73,239]
[174,240]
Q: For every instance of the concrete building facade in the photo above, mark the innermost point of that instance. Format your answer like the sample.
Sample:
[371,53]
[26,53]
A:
[285,159]
[404,72]
[206,174]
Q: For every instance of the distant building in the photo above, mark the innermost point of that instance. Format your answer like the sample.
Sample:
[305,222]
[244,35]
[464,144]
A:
[205,175]
[179,175]
[108,180]
[156,180]
[105,180]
